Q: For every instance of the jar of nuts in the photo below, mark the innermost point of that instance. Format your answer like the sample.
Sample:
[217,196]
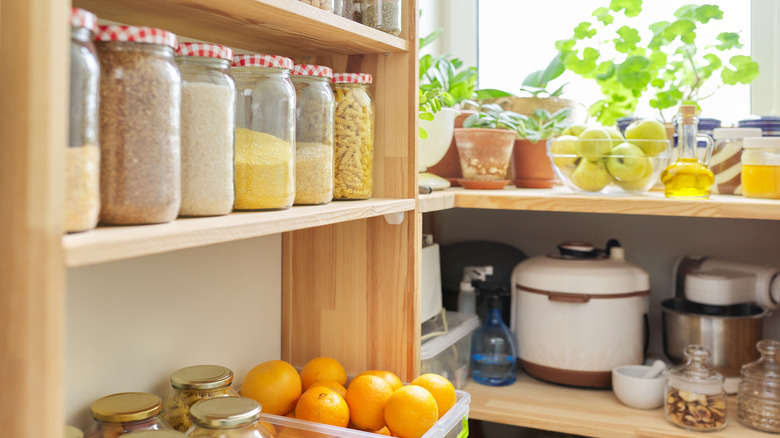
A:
[234,417]
[125,412]
[191,385]
[758,397]
[695,398]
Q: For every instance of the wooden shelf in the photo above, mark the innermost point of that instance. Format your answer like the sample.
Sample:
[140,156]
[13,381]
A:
[561,199]
[597,413]
[280,27]
[106,244]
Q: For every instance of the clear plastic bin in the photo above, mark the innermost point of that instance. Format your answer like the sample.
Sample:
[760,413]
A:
[448,353]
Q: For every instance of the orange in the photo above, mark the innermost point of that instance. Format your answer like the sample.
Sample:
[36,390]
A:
[441,389]
[389,377]
[322,405]
[366,398]
[322,368]
[383,431]
[275,384]
[332,384]
[411,411]
[290,432]
[270,428]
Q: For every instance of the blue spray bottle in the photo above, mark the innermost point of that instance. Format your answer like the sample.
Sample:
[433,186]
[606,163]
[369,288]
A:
[493,347]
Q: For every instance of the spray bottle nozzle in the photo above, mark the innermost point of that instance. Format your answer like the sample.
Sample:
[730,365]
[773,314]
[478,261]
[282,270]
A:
[488,288]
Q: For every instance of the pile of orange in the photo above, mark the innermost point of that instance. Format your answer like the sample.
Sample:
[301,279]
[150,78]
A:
[375,400]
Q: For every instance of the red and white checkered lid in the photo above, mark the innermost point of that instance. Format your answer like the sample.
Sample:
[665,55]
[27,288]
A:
[83,18]
[274,61]
[205,50]
[136,34]
[353,78]
[312,70]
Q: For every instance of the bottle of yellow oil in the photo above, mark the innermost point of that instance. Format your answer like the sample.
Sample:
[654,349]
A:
[688,177]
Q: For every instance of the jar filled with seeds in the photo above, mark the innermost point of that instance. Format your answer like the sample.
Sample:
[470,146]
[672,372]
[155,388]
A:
[208,123]
[118,414]
[695,398]
[191,385]
[325,5]
[82,190]
[758,397]
[236,417]
[265,133]
[140,96]
[384,15]
[354,136]
[313,134]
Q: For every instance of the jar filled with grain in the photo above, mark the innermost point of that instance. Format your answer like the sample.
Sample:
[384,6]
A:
[758,397]
[191,385]
[265,133]
[348,9]
[315,106]
[208,123]
[695,398]
[82,190]
[384,15]
[236,417]
[325,5]
[118,414]
[140,96]
[353,136]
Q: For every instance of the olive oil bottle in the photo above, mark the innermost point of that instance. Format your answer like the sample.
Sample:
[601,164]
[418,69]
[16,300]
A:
[688,177]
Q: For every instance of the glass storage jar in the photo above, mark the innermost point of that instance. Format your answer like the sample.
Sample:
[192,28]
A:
[761,167]
[82,193]
[695,398]
[124,412]
[167,433]
[73,432]
[325,5]
[384,15]
[140,94]
[265,133]
[236,417]
[353,136]
[725,161]
[190,385]
[208,123]
[313,134]
[758,397]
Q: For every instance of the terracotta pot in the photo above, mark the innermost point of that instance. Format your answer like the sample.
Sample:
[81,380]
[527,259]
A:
[531,166]
[484,153]
[449,166]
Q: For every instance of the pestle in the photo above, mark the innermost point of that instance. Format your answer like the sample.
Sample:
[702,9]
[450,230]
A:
[656,369]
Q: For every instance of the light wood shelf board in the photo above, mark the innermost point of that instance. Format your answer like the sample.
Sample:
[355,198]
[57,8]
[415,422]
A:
[106,244]
[436,201]
[590,412]
[279,27]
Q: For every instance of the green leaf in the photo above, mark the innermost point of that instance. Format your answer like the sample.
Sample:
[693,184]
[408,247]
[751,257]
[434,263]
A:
[666,99]
[658,60]
[602,14]
[491,93]
[553,70]
[682,28]
[431,37]
[632,7]
[582,66]
[745,70]
[705,13]
[713,62]
[427,116]
[534,79]
[584,31]
[633,74]
[628,39]
[605,70]
[422,133]
[565,46]
[728,40]
[686,11]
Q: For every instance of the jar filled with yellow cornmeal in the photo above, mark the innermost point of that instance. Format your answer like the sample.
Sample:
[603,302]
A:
[761,167]
[265,132]
[354,136]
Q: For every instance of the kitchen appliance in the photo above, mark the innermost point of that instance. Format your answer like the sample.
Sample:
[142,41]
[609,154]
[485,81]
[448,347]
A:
[430,281]
[720,305]
[578,313]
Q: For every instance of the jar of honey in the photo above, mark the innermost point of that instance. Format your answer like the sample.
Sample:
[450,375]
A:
[761,167]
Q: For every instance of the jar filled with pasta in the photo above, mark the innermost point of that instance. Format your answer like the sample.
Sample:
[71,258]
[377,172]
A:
[208,107]
[82,194]
[265,133]
[313,134]
[236,417]
[125,412]
[191,385]
[354,136]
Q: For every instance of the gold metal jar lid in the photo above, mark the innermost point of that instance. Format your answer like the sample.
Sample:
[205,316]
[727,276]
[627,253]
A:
[126,406]
[202,377]
[225,412]
[167,433]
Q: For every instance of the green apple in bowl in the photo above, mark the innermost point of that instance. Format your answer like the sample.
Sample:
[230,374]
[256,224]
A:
[564,151]
[639,184]
[627,162]
[591,176]
[574,129]
[593,143]
[639,131]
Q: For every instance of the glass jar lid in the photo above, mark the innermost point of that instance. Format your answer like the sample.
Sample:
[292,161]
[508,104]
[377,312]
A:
[761,143]
[83,18]
[202,377]
[126,406]
[727,133]
[352,78]
[695,376]
[312,70]
[273,61]
[136,34]
[205,50]
[767,367]
[225,412]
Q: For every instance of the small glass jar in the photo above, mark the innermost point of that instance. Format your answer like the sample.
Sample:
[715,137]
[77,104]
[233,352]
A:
[265,133]
[315,106]
[236,417]
[73,432]
[208,123]
[168,433]
[125,412]
[384,15]
[758,397]
[725,161]
[191,385]
[761,167]
[695,398]
[82,194]
[354,136]
[140,96]
[325,5]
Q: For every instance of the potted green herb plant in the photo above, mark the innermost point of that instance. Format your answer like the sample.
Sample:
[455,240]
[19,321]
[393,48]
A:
[531,167]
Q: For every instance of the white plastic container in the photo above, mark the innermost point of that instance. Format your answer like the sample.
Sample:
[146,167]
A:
[448,353]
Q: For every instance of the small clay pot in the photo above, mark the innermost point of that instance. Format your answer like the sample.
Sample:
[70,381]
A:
[449,166]
[484,153]
[531,166]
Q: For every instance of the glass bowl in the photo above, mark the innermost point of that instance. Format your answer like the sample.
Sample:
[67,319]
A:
[608,167]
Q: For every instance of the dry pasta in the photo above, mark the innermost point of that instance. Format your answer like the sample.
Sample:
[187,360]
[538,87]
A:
[354,143]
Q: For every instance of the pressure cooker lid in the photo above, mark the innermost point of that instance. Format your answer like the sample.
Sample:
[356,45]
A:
[682,305]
